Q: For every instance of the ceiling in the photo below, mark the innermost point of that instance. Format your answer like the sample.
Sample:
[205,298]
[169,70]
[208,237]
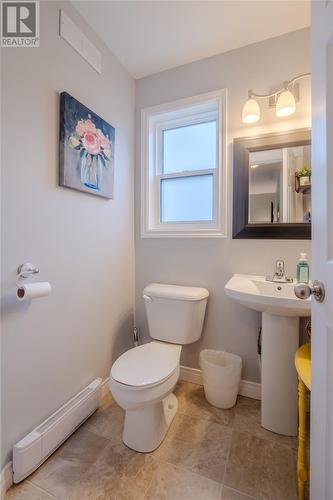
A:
[152,36]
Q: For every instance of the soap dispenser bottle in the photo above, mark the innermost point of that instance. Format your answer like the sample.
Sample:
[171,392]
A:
[303,269]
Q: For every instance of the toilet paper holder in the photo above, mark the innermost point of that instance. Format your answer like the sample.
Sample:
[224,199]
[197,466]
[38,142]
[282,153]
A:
[25,270]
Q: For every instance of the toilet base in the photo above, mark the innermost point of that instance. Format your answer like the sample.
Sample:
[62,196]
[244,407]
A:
[146,427]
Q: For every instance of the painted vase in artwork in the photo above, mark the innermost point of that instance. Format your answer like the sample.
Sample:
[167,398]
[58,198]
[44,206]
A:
[95,152]
[91,171]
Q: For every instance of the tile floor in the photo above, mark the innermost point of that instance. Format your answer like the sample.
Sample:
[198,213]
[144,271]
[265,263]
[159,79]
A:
[208,454]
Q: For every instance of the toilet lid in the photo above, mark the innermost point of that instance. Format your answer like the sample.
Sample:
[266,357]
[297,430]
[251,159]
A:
[147,364]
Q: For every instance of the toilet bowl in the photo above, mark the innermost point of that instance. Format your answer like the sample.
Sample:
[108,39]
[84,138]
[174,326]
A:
[142,379]
[141,382]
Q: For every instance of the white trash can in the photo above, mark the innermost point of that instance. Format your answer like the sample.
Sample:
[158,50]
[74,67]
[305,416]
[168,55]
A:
[221,372]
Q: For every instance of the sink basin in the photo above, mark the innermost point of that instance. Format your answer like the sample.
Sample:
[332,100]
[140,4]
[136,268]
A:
[267,296]
[281,311]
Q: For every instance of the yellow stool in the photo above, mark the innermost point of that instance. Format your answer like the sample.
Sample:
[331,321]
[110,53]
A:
[303,367]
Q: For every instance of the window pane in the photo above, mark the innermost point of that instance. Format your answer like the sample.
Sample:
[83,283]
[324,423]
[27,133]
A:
[187,198]
[189,148]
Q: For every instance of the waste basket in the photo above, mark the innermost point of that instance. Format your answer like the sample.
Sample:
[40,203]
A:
[221,372]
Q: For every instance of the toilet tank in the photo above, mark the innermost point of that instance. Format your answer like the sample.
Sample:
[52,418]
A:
[175,313]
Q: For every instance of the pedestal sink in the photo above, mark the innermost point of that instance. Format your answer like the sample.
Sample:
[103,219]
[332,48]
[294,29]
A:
[281,311]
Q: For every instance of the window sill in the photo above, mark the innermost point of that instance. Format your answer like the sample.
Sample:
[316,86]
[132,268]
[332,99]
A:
[189,234]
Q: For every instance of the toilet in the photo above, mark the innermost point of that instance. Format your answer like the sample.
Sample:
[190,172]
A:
[143,378]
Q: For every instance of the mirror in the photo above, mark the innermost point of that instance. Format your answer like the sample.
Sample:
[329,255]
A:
[275,195]
[272,186]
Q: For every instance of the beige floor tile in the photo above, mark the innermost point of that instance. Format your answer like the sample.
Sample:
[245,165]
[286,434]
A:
[172,483]
[118,474]
[192,401]
[108,422]
[201,446]
[230,494]
[261,468]
[27,491]
[248,419]
[196,430]
[65,469]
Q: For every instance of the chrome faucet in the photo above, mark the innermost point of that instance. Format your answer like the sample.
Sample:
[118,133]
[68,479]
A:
[279,275]
[279,269]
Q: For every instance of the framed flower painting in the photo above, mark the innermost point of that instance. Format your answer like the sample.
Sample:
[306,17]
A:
[86,149]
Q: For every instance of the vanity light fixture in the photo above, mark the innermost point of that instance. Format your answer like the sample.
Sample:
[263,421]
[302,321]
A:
[285,103]
[251,111]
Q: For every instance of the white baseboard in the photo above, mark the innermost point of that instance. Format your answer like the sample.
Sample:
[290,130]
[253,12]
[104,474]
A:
[250,389]
[189,374]
[6,479]
[105,387]
[246,388]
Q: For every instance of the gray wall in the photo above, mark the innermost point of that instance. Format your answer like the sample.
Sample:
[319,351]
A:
[211,262]
[83,244]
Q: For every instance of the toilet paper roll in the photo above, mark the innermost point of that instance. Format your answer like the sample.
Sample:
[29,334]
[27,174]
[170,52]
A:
[33,290]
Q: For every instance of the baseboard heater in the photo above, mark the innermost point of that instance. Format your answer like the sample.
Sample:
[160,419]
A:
[39,444]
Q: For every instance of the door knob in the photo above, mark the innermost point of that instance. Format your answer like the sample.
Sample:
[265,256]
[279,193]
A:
[303,291]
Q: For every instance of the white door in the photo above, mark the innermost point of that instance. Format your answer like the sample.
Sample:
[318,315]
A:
[322,247]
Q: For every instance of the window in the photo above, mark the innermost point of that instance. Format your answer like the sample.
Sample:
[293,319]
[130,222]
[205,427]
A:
[183,168]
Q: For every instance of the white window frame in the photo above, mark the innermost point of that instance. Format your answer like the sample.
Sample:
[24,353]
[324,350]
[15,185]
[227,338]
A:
[205,107]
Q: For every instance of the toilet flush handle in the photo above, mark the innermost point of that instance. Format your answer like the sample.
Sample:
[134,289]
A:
[147,298]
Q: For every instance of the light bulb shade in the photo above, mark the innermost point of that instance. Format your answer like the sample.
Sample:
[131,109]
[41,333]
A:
[251,111]
[285,104]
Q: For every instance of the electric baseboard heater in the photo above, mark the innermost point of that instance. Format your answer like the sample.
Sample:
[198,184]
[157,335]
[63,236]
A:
[39,444]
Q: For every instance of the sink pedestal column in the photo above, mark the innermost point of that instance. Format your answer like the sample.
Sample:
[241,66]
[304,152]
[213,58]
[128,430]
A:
[280,341]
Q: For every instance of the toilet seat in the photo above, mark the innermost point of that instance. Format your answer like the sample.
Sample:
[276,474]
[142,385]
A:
[147,365]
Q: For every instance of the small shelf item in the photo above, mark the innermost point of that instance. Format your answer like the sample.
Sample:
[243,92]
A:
[303,180]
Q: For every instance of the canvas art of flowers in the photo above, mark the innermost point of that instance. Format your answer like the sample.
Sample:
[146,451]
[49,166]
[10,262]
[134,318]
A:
[87,144]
